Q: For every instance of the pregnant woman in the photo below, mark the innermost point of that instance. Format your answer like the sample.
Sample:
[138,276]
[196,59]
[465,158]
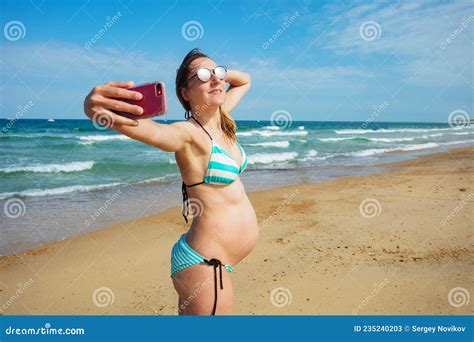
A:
[224,227]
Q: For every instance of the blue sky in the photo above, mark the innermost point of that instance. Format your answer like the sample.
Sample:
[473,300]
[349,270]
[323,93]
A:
[318,60]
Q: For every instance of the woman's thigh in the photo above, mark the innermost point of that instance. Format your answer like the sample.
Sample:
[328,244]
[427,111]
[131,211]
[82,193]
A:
[195,287]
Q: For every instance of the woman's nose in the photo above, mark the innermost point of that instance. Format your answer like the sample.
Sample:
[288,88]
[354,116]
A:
[215,79]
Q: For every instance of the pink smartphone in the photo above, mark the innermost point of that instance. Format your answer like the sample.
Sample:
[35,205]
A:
[153,101]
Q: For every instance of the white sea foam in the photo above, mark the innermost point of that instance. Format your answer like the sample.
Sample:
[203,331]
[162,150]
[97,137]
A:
[402,130]
[369,139]
[426,136]
[57,191]
[95,138]
[159,179]
[268,158]
[463,133]
[373,151]
[390,139]
[282,144]
[271,133]
[51,168]
[335,139]
[459,142]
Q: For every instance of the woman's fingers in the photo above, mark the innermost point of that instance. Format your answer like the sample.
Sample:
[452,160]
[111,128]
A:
[119,106]
[120,84]
[109,119]
[118,93]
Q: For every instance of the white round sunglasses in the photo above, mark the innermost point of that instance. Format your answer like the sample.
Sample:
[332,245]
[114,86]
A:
[205,74]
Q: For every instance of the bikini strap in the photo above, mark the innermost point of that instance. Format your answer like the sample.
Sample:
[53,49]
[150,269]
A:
[185,211]
[215,263]
[192,117]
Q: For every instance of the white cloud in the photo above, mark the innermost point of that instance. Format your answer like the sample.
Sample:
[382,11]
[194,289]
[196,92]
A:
[412,32]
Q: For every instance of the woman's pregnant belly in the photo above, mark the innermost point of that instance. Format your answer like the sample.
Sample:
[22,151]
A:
[225,224]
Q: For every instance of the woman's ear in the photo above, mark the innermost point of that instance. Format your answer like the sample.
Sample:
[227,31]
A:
[184,94]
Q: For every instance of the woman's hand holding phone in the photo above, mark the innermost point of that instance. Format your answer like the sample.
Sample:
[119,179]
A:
[105,100]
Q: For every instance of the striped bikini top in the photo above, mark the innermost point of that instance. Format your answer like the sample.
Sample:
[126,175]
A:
[222,169]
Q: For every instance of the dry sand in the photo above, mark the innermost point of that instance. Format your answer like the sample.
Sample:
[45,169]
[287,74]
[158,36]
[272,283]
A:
[320,251]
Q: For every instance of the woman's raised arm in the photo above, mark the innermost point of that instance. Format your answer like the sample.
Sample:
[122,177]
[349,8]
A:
[100,102]
[239,85]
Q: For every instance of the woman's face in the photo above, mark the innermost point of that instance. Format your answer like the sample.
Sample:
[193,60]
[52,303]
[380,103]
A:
[202,95]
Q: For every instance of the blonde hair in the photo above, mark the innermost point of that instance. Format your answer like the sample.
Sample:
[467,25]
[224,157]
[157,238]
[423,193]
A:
[228,125]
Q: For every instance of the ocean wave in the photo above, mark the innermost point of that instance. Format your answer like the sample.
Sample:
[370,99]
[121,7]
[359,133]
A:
[268,158]
[459,142]
[35,136]
[57,191]
[401,130]
[271,133]
[311,156]
[390,139]
[463,133]
[373,151]
[335,139]
[95,138]
[281,144]
[159,179]
[426,136]
[367,139]
[272,127]
[51,168]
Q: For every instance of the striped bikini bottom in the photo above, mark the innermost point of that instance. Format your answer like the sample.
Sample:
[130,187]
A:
[183,256]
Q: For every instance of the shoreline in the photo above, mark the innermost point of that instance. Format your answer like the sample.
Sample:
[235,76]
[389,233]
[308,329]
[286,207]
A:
[89,211]
[309,247]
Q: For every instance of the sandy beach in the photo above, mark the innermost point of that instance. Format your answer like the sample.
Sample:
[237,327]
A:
[396,242]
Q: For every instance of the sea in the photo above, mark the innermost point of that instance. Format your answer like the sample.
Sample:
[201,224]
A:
[64,178]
